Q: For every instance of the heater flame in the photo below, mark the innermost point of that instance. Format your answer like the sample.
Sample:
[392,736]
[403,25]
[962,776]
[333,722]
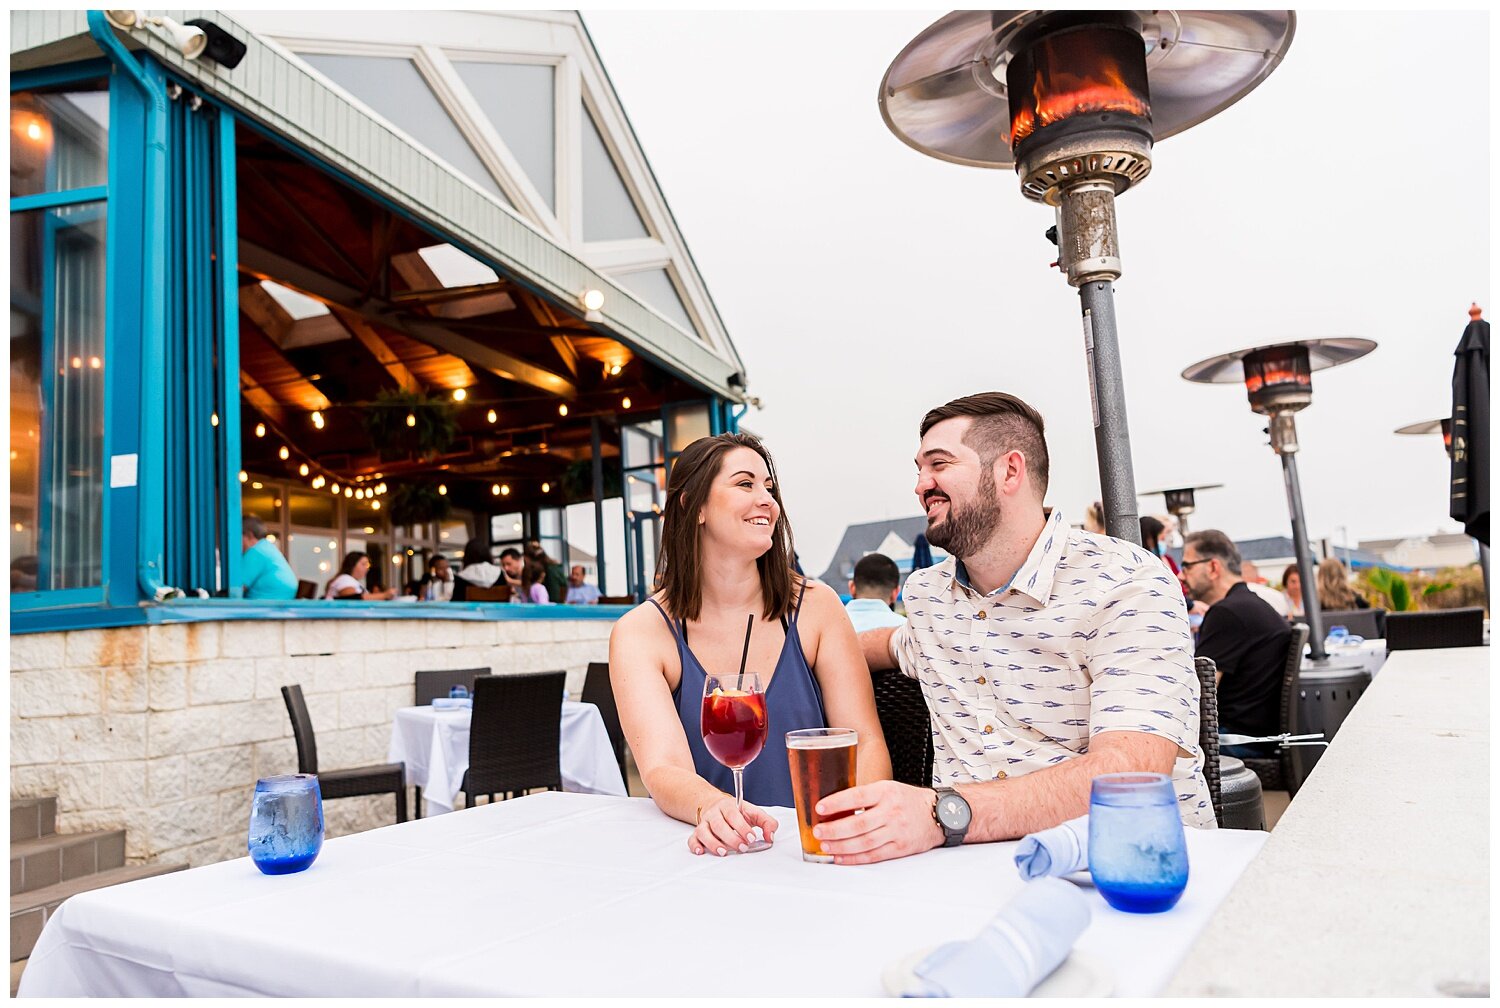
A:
[1070,94]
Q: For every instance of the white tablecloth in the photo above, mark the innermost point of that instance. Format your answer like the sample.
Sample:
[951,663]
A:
[434,745]
[1368,655]
[561,894]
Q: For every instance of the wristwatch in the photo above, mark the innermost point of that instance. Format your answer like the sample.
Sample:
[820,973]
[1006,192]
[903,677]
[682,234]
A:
[952,814]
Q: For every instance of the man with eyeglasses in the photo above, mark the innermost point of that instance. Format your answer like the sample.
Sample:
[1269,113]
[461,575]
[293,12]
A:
[1244,636]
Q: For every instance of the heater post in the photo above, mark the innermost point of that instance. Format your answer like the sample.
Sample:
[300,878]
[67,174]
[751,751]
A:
[1111,429]
[1287,449]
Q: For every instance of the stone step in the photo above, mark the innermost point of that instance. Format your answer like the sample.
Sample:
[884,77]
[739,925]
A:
[63,857]
[32,817]
[30,911]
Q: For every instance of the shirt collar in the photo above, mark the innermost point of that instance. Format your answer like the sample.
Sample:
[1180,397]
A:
[866,603]
[1035,576]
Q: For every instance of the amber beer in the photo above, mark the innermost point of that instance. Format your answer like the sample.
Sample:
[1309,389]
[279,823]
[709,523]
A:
[822,761]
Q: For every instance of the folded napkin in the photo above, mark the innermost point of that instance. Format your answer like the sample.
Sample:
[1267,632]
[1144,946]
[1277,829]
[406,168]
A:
[1061,850]
[1015,951]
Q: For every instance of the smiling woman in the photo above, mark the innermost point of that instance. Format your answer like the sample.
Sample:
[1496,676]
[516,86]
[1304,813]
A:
[726,552]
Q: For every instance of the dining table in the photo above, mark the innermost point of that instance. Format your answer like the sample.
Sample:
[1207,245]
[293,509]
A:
[433,743]
[558,894]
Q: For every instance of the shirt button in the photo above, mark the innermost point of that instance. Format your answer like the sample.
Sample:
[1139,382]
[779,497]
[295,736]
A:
[980,680]
[999,774]
[980,614]
[988,728]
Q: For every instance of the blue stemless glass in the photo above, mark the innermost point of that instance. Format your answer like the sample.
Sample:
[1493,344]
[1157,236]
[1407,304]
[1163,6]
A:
[1137,850]
[286,823]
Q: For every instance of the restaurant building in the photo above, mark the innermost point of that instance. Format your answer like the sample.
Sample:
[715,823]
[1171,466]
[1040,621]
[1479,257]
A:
[390,282]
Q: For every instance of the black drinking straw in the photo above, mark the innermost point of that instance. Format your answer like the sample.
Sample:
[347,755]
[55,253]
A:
[749,625]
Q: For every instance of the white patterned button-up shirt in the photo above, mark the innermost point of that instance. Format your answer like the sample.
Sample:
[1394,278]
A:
[1090,636]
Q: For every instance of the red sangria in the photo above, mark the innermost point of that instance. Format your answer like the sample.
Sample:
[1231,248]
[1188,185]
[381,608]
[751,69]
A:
[734,726]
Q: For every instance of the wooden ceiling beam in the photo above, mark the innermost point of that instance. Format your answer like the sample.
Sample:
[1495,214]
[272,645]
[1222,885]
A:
[371,340]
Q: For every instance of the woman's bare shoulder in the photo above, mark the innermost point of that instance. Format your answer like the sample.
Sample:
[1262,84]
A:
[643,623]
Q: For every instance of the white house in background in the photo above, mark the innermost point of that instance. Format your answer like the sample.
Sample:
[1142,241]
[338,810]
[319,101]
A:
[1441,549]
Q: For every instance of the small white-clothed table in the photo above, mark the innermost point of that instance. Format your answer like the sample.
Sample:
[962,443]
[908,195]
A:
[1369,655]
[434,745]
[564,894]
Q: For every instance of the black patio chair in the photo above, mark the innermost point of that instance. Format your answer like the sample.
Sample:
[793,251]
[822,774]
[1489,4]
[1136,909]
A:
[307,589]
[434,683]
[1288,768]
[907,726]
[1441,628]
[598,691]
[514,735]
[1208,730]
[354,782]
[1367,623]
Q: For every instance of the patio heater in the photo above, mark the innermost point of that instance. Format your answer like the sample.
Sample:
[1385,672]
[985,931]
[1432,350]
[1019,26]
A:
[1443,426]
[1278,380]
[1181,502]
[1074,101]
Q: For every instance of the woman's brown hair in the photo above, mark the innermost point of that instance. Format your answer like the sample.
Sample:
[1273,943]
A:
[679,567]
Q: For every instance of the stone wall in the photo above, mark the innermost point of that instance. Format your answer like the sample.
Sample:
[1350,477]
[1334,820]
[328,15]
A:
[163,730]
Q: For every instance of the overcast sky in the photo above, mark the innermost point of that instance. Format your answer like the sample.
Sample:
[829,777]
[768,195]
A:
[865,283]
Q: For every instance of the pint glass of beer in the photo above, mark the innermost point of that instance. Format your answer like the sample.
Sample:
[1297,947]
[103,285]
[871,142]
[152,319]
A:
[822,762]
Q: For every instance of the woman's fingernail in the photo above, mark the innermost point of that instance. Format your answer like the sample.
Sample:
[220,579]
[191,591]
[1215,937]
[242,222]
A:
[722,852]
[820,809]
[744,849]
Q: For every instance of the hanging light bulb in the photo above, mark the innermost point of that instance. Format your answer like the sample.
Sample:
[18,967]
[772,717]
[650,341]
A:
[375,505]
[459,395]
[495,489]
[614,369]
[380,488]
[625,403]
[348,491]
[260,430]
[562,410]
[302,470]
[285,453]
[505,489]
[491,416]
[317,419]
[359,495]
[442,489]
[335,489]
[244,476]
[213,419]
[95,363]
[546,488]
[411,419]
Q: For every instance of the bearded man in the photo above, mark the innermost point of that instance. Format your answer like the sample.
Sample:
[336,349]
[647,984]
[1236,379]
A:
[1047,655]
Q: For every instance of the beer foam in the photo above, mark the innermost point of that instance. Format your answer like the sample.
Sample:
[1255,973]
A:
[810,739]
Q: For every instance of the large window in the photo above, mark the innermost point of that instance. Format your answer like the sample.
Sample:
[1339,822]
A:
[59,151]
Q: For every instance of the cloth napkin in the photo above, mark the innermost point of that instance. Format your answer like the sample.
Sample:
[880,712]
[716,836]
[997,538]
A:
[1015,951]
[1061,850]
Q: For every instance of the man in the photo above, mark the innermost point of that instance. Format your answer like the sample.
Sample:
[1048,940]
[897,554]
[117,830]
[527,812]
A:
[1244,636]
[877,582]
[1047,655]
[1263,591]
[439,581]
[263,569]
[580,592]
[555,582]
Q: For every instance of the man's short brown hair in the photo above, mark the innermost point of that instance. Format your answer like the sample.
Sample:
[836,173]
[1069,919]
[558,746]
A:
[1213,543]
[1002,423]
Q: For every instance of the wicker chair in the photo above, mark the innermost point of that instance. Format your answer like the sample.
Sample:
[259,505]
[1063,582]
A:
[1367,623]
[514,735]
[907,726]
[597,691]
[387,778]
[434,683]
[1208,730]
[1285,771]
[1442,628]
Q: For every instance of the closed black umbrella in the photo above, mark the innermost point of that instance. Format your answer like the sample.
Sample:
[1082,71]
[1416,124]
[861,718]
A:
[1469,500]
[921,553]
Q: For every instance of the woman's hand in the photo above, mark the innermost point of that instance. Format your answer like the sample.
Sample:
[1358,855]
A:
[722,829]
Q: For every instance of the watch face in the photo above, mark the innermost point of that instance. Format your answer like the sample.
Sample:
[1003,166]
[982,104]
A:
[953,812]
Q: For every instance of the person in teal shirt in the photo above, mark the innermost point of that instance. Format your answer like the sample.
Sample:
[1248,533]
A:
[263,569]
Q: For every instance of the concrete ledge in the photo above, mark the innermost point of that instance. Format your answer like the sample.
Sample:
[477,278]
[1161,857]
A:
[1377,879]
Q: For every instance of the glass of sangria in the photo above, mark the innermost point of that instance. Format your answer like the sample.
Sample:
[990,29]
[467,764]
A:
[734,728]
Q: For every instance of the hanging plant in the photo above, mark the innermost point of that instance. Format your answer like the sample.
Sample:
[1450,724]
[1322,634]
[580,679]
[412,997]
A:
[416,504]
[578,481]
[402,424]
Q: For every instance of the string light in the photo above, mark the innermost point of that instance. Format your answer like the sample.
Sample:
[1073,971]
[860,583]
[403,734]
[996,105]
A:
[213,419]
[491,416]
[95,363]
[285,453]
[244,476]
[303,470]
[442,489]
[317,419]
[348,492]
[77,362]
[495,489]
[614,369]
[459,395]
[411,419]
[562,410]
[375,505]
[260,430]
[505,489]
[359,495]
[546,488]
[335,489]
[625,403]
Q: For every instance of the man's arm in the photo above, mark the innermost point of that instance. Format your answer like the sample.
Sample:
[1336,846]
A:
[876,645]
[897,818]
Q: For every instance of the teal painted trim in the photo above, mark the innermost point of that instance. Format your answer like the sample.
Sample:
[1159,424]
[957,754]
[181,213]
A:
[734,421]
[222,610]
[64,73]
[22,602]
[228,329]
[67,197]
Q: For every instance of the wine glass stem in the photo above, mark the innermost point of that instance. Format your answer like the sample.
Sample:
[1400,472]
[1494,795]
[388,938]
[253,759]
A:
[739,789]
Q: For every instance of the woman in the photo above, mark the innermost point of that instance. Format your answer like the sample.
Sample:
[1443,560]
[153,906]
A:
[1151,542]
[1291,585]
[533,583]
[476,570]
[348,583]
[726,552]
[1333,587]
